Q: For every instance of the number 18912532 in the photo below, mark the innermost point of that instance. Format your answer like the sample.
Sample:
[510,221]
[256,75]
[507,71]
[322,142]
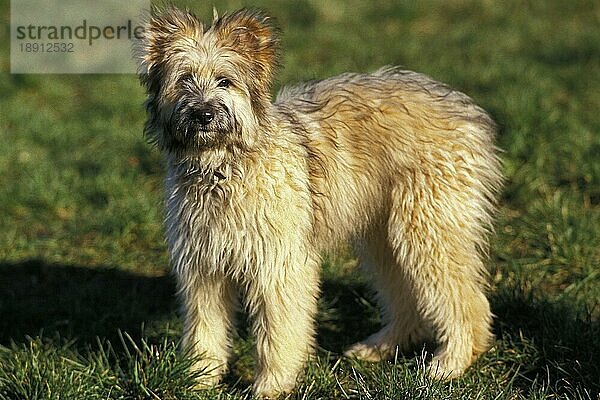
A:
[57,47]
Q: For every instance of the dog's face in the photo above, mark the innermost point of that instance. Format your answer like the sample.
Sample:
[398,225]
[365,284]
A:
[206,87]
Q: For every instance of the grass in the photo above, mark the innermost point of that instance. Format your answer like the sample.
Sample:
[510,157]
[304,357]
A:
[87,306]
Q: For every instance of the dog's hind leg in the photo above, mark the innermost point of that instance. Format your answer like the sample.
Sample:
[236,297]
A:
[435,231]
[403,327]
[209,304]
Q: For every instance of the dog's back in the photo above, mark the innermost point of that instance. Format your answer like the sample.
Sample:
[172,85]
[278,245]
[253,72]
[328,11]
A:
[368,134]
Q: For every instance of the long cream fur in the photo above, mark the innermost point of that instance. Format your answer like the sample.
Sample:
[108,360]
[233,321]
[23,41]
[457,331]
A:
[400,164]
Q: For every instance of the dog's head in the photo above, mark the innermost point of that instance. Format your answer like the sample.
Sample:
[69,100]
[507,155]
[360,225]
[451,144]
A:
[207,87]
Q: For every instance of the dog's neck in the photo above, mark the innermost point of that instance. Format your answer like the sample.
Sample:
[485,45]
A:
[220,162]
[210,164]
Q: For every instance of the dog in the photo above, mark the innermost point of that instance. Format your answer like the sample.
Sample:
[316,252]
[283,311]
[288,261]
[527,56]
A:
[395,162]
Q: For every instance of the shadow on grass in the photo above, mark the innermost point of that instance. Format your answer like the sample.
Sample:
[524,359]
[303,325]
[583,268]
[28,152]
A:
[37,297]
[348,313]
[552,343]
[548,344]
[78,302]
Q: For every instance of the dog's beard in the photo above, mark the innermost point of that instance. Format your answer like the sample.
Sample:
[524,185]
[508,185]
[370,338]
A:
[191,130]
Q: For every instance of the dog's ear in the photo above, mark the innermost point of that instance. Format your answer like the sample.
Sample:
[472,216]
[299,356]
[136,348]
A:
[250,34]
[162,29]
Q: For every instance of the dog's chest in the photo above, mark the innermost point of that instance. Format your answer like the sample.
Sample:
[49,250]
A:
[231,223]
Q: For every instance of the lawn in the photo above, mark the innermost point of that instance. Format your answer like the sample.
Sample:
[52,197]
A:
[87,305]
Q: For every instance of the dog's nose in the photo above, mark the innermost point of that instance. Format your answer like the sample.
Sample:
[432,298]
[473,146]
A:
[205,116]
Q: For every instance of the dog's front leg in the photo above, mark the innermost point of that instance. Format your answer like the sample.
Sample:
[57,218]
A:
[209,304]
[283,304]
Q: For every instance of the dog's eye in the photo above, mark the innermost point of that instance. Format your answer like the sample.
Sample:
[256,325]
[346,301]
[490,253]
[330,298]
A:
[223,83]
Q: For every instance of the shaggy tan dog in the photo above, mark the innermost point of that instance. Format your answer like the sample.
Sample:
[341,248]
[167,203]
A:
[255,192]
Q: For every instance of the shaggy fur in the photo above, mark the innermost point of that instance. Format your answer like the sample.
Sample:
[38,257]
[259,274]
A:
[400,164]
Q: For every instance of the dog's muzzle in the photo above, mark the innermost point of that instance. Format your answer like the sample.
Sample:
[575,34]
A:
[204,116]
[199,123]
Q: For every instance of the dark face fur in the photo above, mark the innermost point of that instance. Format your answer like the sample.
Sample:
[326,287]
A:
[207,88]
[201,116]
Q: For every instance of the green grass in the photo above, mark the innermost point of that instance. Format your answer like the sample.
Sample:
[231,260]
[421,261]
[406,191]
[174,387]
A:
[87,307]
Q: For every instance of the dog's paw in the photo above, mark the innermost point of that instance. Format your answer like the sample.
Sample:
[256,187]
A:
[272,387]
[368,351]
[207,374]
[443,367]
